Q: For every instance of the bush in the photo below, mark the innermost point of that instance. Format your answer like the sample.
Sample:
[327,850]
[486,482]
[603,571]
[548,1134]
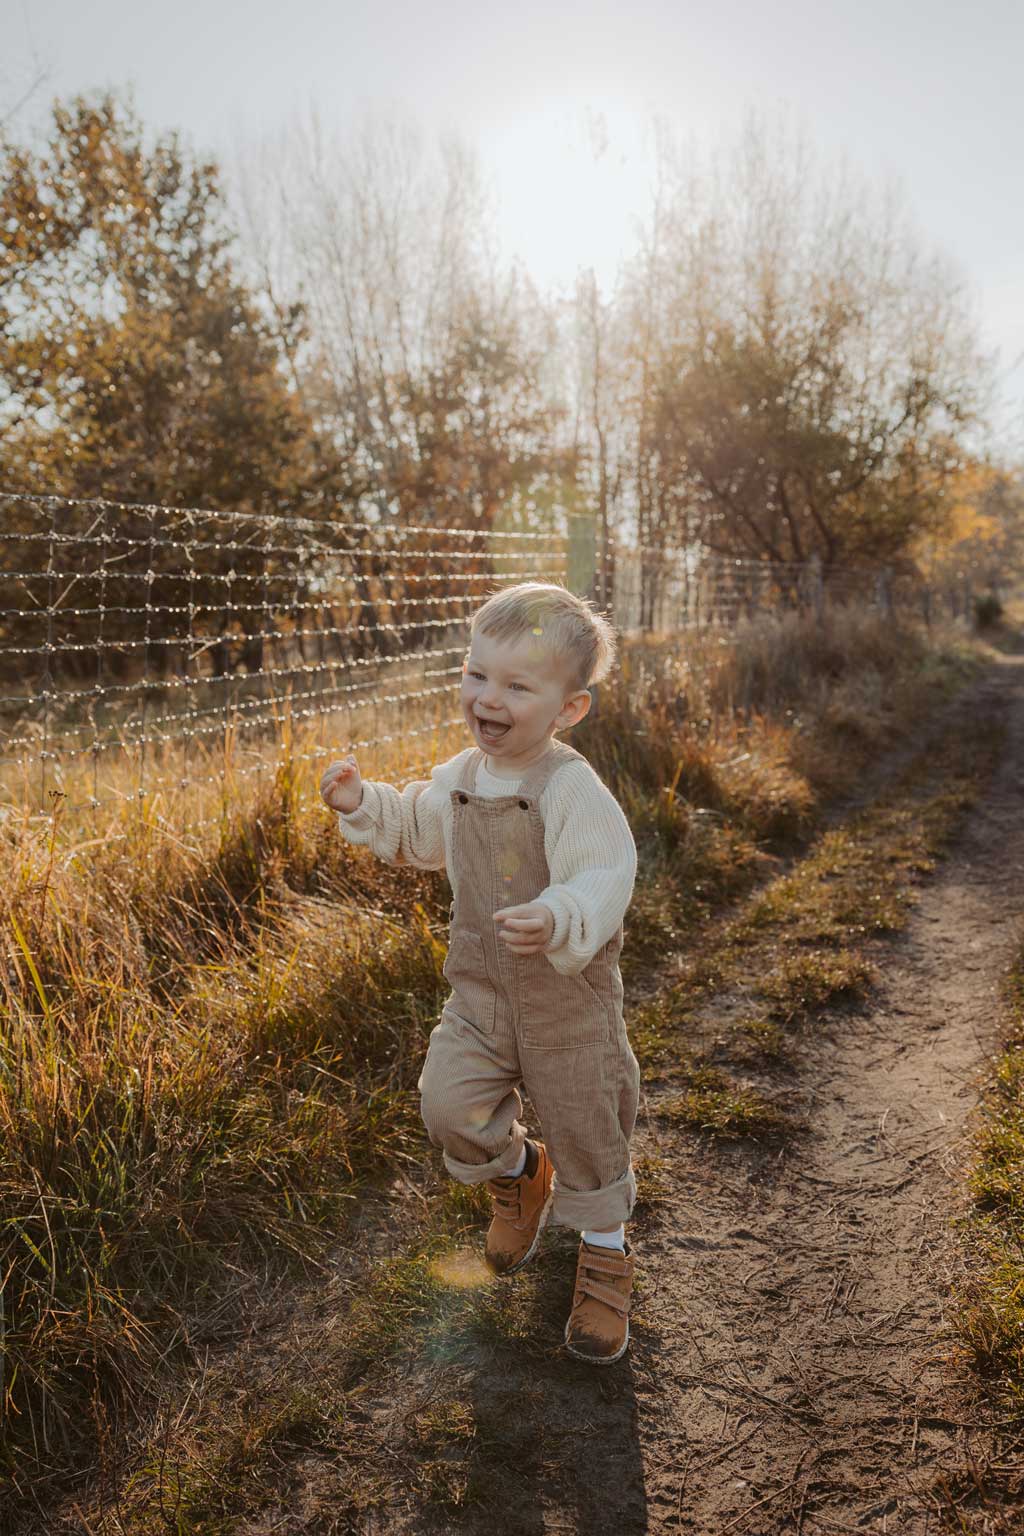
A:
[988,611]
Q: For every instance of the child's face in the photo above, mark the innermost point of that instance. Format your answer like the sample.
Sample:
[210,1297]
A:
[515,695]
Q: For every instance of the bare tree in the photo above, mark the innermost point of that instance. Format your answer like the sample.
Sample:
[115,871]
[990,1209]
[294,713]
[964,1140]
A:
[425,363]
[803,371]
[20,84]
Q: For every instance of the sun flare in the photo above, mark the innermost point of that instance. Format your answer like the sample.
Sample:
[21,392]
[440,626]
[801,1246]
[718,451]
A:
[571,182]
[462,1269]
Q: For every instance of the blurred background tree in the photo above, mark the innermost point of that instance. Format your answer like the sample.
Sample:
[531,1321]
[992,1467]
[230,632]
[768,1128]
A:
[133,363]
[432,374]
[981,533]
[802,374]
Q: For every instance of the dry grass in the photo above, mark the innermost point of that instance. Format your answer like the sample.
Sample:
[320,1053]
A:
[724,758]
[217,1011]
[718,1036]
[209,1044]
[991,1309]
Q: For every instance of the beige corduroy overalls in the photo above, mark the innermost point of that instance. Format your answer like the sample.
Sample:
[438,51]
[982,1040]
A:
[515,1019]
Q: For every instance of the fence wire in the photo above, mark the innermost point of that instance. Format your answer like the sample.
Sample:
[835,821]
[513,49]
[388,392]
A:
[139,643]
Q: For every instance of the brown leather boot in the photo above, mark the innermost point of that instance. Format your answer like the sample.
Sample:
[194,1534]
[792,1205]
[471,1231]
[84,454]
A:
[521,1209]
[598,1326]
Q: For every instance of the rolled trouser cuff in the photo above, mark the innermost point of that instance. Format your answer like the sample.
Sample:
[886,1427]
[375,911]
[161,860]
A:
[498,1168]
[589,1210]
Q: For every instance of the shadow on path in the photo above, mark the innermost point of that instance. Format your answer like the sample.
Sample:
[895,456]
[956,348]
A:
[556,1443]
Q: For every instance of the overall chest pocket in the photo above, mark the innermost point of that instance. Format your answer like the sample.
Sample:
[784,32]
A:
[473,997]
[564,1012]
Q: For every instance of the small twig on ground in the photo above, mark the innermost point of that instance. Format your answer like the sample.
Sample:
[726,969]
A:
[768,1498]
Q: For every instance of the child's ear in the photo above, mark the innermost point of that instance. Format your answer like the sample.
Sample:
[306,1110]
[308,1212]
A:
[575,708]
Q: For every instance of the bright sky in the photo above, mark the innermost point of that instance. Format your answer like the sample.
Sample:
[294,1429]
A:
[927,92]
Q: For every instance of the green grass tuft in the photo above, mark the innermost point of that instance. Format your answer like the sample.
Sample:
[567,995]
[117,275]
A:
[804,983]
[712,1101]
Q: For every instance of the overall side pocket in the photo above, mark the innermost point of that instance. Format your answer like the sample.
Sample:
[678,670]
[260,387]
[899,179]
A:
[473,996]
[562,1012]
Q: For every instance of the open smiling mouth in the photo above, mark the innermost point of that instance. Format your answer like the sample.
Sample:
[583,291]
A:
[491,730]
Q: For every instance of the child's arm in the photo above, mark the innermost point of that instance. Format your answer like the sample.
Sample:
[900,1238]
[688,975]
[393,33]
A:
[592,863]
[404,827]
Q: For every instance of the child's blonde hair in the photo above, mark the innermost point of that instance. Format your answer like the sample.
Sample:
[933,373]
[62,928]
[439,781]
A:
[568,626]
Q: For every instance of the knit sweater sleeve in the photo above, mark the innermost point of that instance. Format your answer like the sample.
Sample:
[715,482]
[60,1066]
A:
[404,826]
[591,859]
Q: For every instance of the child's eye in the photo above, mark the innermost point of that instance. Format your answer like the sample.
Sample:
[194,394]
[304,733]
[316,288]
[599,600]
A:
[521,686]
[478,675]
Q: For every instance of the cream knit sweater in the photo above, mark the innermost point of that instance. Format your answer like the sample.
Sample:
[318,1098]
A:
[589,848]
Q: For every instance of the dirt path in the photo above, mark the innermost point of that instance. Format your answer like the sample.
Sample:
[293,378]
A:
[790,1370]
[812,1388]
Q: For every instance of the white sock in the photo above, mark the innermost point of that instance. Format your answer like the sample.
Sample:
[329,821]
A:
[513,1173]
[616,1239]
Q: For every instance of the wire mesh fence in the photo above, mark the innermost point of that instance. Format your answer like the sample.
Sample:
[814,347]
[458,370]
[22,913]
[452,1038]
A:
[133,637]
[142,648]
[666,591]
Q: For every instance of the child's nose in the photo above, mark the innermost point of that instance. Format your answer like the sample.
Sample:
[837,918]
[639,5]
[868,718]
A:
[490,696]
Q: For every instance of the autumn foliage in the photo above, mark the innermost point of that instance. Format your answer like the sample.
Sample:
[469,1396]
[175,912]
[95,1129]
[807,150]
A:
[781,372]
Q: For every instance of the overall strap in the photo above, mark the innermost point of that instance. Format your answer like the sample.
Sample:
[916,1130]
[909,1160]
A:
[534,781]
[467,777]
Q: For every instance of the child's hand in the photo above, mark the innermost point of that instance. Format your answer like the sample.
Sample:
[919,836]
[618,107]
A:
[341,788]
[527,929]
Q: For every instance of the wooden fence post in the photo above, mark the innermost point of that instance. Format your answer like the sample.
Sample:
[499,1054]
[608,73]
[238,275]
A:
[581,556]
[817,584]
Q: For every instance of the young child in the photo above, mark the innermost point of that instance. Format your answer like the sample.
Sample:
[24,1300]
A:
[541,863]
